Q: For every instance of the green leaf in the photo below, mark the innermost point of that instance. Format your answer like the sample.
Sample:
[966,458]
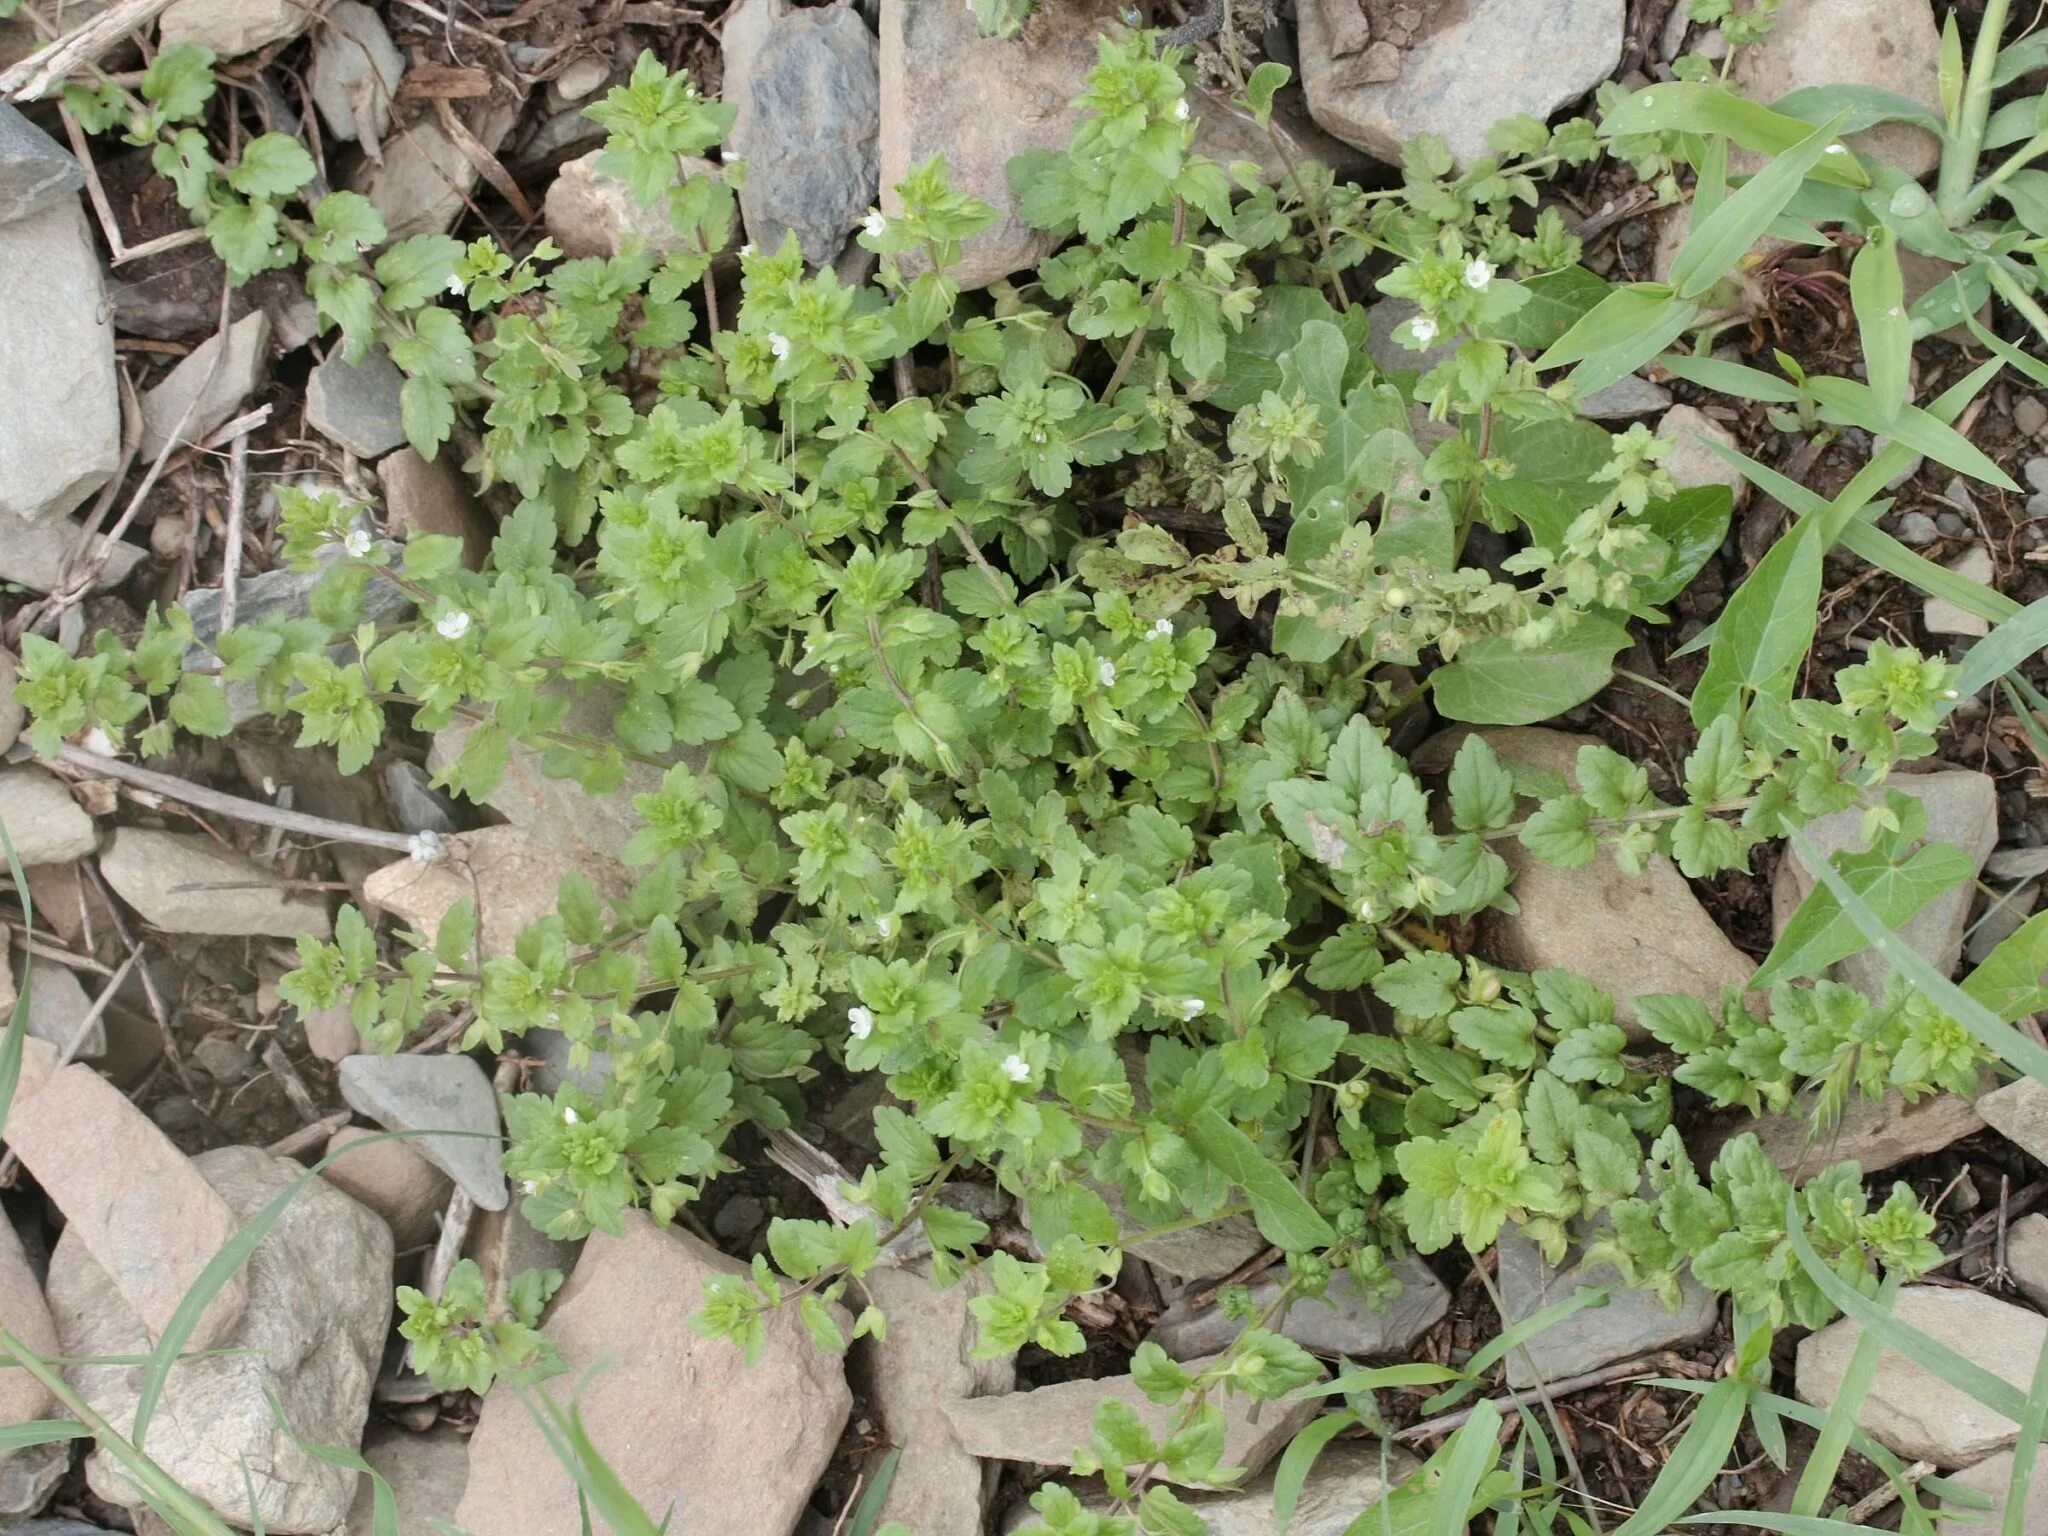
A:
[1299,1459]
[1695,524]
[1482,791]
[1557,301]
[2010,982]
[1853,402]
[1696,1462]
[1492,683]
[1820,932]
[415,269]
[272,165]
[1764,632]
[1877,291]
[1686,107]
[1285,1218]
[1725,236]
[2014,641]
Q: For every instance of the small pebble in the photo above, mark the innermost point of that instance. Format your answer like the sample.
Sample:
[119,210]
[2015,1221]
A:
[2036,472]
[1950,523]
[2029,415]
[738,1219]
[176,1115]
[223,1058]
[1916,528]
[168,537]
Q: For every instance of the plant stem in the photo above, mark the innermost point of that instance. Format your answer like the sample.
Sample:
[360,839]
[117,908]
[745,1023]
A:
[1959,155]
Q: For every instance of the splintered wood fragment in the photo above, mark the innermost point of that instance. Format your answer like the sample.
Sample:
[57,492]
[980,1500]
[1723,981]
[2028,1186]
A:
[444,82]
[50,65]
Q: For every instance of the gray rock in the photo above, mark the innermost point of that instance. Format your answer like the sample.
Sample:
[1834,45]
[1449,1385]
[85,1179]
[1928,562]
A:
[435,1093]
[1939,616]
[233,27]
[211,384]
[223,1058]
[1910,1409]
[57,1005]
[1347,1481]
[2017,864]
[585,77]
[23,1398]
[34,555]
[1993,1477]
[1962,809]
[34,172]
[512,874]
[29,1476]
[43,822]
[355,73]
[331,1033]
[58,1528]
[356,404]
[2019,1113]
[737,1450]
[430,496]
[505,1245]
[1482,61]
[424,182]
[427,1474]
[147,1216]
[1207,1252]
[1917,529]
[1048,1424]
[60,411]
[183,883]
[1893,45]
[13,716]
[1874,1133]
[2031,417]
[1690,461]
[319,1302]
[416,806]
[590,212]
[1624,398]
[283,594]
[2026,1257]
[922,1365]
[1633,1322]
[1629,936]
[812,158]
[1339,1323]
[553,1056]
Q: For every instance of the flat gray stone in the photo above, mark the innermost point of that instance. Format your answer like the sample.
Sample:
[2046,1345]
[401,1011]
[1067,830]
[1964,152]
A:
[424,182]
[435,1093]
[34,172]
[1691,463]
[60,408]
[416,806]
[1383,318]
[2019,1113]
[1962,810]
[1893,45]
[183,883]
[211,384]
[1048,1424]
[355,73]
[1340,1322]
[2026,1257]
[233,27]
[285,594]
[1911,1410]
[1876,1134]
[309,1340]
[1993,1477]
[33,555]
[1625,398]
[1939,616]
[1457,73]
[1634,1322]
[427,1474]
[43,822]
[23,1398]
[431,496]
[57,1005]
[812,156]
[356,404]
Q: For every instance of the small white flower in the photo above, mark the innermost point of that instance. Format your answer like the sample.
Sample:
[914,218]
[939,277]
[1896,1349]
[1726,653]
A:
[1105,670]
[1950,693]
[885,925]
[1016,1068]
[452,625]
[746,250]
[528,1187]
[98,743]
[1365,910]
[456,285]
[1191,1008]
[861,1021]
[569,1115]
[423,847]
[1038,434]
[1424,327]
[357,542]
[778,344]
[1836,149]
[1478,273]
[1180,110]
[874,223]
[1163,627]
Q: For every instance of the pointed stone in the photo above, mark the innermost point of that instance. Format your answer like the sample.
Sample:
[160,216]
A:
[1634,1322]
[34,172]
[184,883]
[356,404]
[435,1093]
[27,1316]
[393,1180]
[43,822]
[2019,1113]
[511,873]
[210,384]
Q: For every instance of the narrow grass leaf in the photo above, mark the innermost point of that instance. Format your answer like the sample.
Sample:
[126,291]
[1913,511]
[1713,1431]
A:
[40,1432]
[1817,1478]
[1791,1525]
[2027,1451]
[1725,236]
[1413,1374]
[1472,1454]
[2005,648]
[2008,1043]
[383,1502]
[1697,1460]
[17,1021]
[868,1515]
[1853,403]
[1511,1339]
[1299,1459]
[1877,294]
[1687,107]
[1737,379]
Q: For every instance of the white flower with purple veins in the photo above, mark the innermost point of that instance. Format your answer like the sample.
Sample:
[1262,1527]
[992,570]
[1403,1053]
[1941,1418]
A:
[452,625]
[860,1021]
[1191,1008]
[357,542]
[1105,672]
[778,344]
[874,224]
[423,847]
[1478,273]
[456,285]
[1016,1068]
[528,1187]
[1163,627]
[1424,328]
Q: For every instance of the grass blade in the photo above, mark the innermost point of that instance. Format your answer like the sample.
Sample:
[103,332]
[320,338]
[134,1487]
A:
[1725,236]
[1818,1476]
[15,1437]
[1696,1462]
[2011,643]
[1473,1451]
[1297,1461]
[1877,294]
[1513,1338]
[869,1514]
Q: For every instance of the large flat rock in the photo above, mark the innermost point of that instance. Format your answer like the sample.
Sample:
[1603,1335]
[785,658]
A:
[60,410]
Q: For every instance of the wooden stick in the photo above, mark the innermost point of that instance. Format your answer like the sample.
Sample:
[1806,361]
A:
[1429,1429]
[50,65]
[229,805]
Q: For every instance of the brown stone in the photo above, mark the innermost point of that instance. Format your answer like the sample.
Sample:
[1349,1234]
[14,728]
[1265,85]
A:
[510,872]
[27,1316]
[392,1180]
[686,1422]
[430,496]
